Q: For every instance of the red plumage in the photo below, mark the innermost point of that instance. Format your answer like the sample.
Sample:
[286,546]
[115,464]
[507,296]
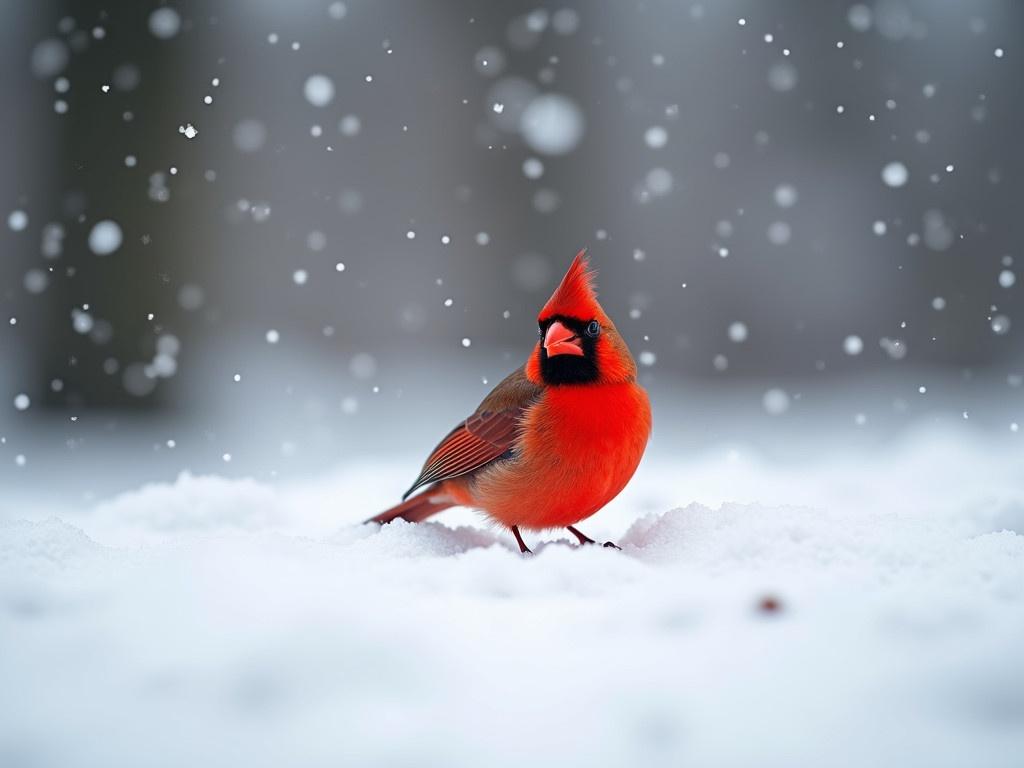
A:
[558,438]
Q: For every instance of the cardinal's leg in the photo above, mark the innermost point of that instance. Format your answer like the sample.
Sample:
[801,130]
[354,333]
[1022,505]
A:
[519,538]
[584,539]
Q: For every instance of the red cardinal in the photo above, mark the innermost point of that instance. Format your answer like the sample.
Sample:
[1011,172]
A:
[557,439]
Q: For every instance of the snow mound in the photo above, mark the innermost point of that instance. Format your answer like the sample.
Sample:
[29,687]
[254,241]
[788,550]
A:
[190,504]
[878,549]
[402,539]
[51,543]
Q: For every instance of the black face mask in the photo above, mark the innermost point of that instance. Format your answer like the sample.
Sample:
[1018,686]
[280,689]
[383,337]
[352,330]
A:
[571,369]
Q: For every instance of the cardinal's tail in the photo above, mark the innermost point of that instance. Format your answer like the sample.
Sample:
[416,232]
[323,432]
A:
[417,509]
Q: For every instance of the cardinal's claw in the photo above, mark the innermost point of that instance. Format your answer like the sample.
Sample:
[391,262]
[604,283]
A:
[612,545]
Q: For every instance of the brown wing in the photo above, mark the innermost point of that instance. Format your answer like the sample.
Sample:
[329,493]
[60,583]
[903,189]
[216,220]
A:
[485,436]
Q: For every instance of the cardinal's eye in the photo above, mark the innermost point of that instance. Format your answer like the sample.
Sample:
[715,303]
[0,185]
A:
[593,329]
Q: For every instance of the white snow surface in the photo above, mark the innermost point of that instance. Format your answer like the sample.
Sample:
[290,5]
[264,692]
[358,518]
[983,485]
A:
[224,622]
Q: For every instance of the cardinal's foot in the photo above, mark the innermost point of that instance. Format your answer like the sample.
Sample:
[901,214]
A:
[523,549]
[584,539]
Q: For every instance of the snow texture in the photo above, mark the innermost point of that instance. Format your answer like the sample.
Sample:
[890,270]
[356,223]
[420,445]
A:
[877,618]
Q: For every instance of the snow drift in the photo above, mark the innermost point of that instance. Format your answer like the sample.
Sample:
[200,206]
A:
[210,621]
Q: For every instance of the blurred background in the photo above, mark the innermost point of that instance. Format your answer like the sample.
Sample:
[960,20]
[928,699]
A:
[264,238]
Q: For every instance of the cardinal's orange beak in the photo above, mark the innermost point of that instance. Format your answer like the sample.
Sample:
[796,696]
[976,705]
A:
[559,340]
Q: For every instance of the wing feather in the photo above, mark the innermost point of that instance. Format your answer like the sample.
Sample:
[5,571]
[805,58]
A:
[488,435]
[482,438]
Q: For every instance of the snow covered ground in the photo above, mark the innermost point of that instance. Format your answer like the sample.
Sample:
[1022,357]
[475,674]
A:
[216,621]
